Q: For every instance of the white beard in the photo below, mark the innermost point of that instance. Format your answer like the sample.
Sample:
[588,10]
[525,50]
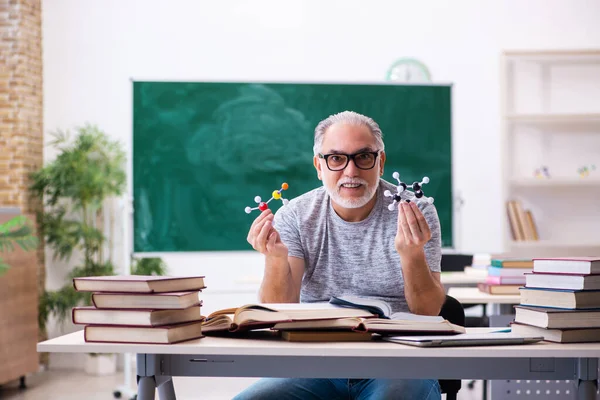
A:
[351,202]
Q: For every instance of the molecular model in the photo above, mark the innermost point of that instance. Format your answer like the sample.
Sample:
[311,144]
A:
[262,206]
[586,170]
[417,188]
[542,172]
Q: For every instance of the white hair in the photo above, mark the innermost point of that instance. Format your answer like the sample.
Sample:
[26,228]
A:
[348,117]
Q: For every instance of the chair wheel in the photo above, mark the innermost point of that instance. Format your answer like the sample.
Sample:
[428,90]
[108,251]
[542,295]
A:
[117,394]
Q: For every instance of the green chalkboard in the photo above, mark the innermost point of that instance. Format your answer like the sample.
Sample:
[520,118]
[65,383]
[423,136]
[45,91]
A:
[203,150]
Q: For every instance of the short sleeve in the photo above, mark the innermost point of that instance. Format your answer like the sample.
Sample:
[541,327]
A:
[433,248]
[286,224]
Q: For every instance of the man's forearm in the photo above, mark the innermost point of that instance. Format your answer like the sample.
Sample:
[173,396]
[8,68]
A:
[423,293]
[277,284]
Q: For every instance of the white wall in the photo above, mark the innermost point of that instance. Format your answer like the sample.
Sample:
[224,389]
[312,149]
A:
[93,48]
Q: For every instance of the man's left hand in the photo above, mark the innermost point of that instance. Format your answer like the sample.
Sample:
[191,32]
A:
[413,230]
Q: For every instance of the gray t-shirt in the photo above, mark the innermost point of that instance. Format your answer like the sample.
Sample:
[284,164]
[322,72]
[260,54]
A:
[351,258]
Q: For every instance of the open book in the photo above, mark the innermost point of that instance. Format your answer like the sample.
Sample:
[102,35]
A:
[380,308]
[258,316]
[382,326]
[386,322]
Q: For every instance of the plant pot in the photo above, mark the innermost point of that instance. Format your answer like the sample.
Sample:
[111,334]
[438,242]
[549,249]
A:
[101,364]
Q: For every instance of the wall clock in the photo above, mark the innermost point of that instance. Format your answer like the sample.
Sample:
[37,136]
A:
[408,70]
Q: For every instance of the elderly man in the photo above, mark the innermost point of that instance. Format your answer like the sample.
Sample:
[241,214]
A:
[341,239]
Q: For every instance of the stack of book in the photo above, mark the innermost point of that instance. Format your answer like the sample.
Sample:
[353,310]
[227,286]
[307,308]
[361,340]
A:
[140,309]
[506,276]
[561,300]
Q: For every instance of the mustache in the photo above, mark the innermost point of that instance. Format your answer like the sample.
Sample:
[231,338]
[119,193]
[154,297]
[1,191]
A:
[355,181]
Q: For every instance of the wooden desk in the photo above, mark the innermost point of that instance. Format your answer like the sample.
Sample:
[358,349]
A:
[270,357]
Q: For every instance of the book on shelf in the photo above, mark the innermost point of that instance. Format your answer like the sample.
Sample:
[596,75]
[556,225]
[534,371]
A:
[546,317]
[560,298]
[566,335]
[532,225]
[521,222]
[138,283]
[568,265]
[512,263]
[562,281]
[498,289]
[415,325]
[168,334]
[134,317]
[259,316]
[514,222]
[326,336]
[169,300]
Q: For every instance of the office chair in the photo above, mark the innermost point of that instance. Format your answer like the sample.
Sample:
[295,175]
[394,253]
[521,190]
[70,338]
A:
[453,311]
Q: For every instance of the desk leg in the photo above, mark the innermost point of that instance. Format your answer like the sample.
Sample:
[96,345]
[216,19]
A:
[151,376]
[587,374]
[146,388]
[166,391]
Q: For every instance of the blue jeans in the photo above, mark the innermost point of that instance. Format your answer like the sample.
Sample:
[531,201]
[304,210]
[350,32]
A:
[341,389]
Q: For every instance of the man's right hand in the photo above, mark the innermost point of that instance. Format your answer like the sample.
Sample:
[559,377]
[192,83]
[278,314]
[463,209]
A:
[264,238]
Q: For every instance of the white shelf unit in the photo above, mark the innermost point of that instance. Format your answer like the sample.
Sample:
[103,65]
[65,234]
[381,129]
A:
[551,118]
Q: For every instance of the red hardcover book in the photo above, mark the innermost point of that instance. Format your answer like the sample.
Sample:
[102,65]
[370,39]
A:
[143,334]
[138,283]
[154,301]
[134,317]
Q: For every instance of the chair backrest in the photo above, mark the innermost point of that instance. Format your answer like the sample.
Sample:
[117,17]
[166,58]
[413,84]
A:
[453,311]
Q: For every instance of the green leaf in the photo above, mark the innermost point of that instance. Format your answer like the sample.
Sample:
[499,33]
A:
[3,267]
[149,266]
[13,224]
[62,301]
[17,231]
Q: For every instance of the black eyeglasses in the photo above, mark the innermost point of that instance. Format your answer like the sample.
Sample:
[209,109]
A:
[339,161]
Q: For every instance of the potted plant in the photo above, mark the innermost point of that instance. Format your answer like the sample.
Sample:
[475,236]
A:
[73,189]
[89,169]
[16,231]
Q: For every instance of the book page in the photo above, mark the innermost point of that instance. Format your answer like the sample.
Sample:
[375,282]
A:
[372,305]
[415,317]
